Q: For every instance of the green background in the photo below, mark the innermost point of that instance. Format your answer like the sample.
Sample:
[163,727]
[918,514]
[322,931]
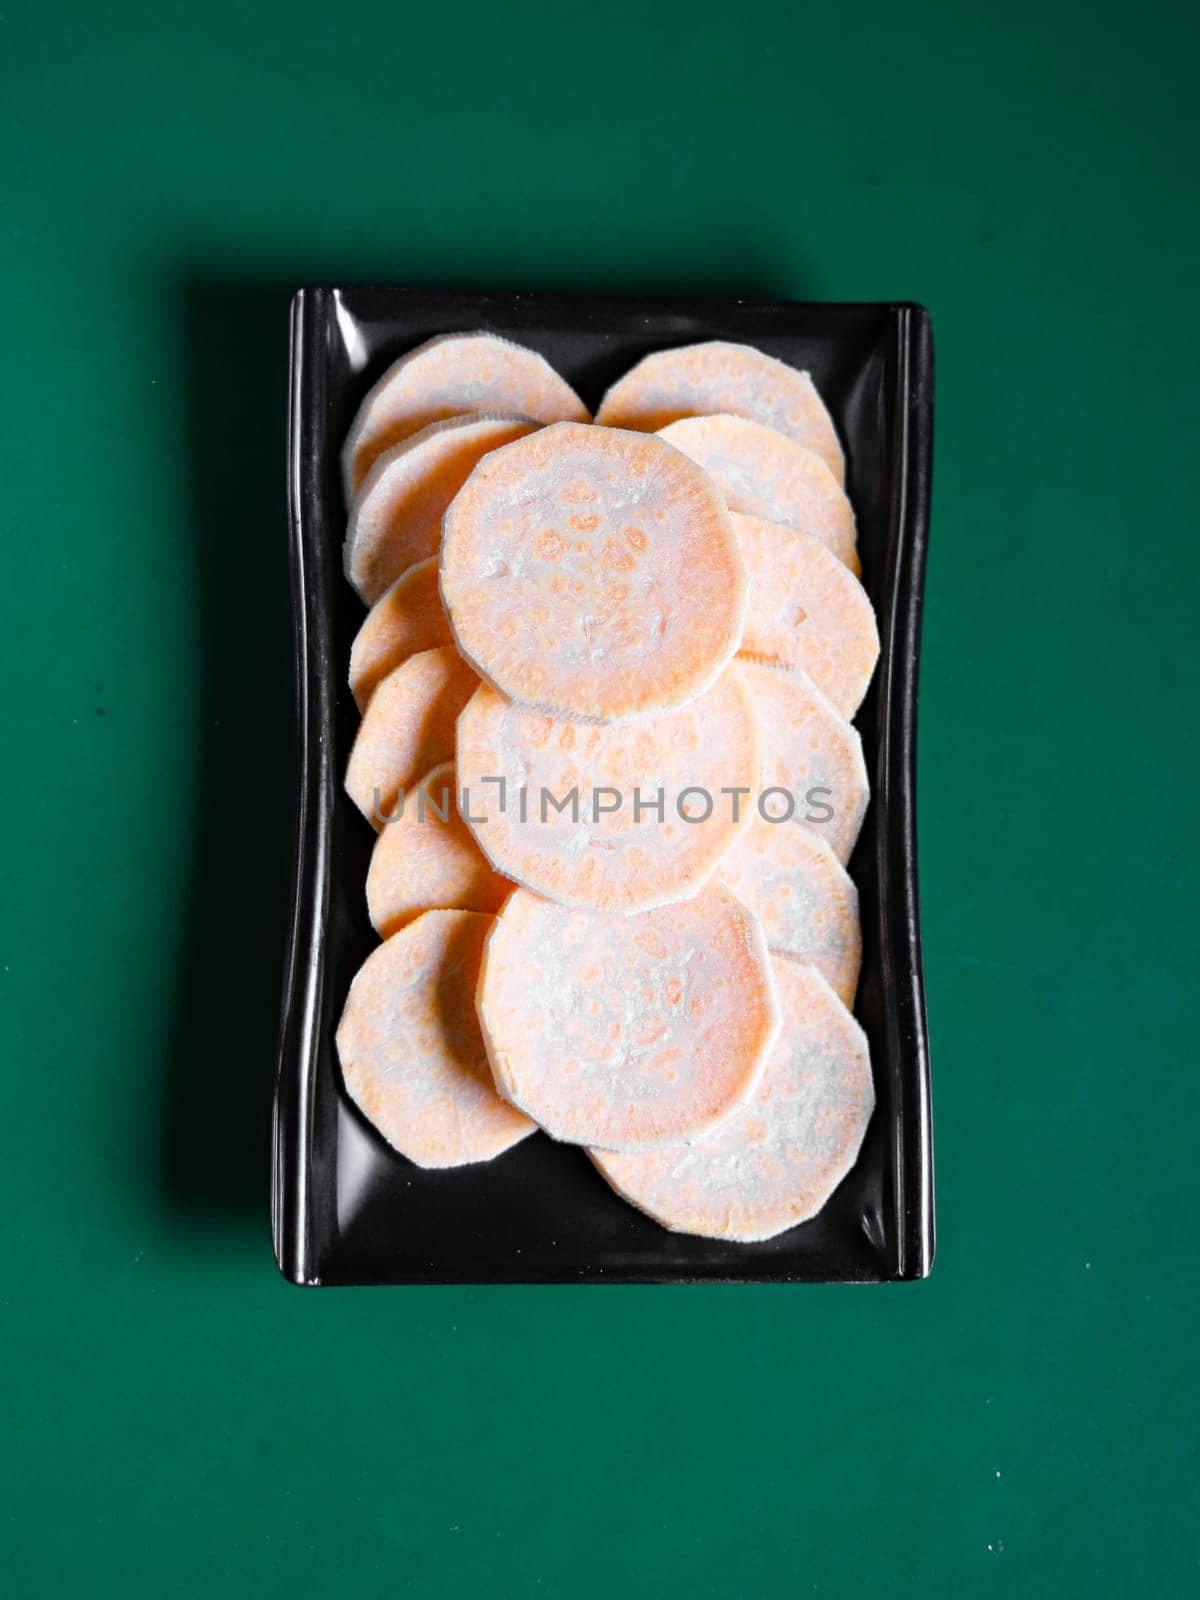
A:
[178,1420]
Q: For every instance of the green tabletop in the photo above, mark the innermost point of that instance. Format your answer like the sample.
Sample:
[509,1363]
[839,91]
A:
[178,1420]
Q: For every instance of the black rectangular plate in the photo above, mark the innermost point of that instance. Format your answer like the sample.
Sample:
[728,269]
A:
[345,1207]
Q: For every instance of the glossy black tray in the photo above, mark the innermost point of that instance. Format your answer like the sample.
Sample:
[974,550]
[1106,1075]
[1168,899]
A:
[345,1207]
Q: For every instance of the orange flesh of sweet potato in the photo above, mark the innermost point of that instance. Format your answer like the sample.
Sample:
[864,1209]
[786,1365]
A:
[812,753]
[396,517]
[454,375]
[806,609]
[427,860]
[767,475]
[406,618]
[408,728]
[593,574]
[703,379]
[628,1033]
[777,1162]
[601,839]
[412,1054]
[802,895]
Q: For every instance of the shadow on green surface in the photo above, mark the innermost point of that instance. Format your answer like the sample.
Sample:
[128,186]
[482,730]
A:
[235,333]
[217,1148]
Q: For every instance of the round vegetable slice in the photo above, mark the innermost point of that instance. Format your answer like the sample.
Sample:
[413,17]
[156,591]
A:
[412,1054]
[454,374]
[593,574]
[627,1033]
[396,516]
[814,774]
[777,1163]
[807,609]
[803,896]
[702,379]
[408,728]
[426,859]
[618,818]
[406,618]
[767,475]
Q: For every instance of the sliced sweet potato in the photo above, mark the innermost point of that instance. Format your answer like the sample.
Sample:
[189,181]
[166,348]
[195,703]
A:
[777,1162]
[454,374]
[627,1033]
[396,516]
[411,1050]
[408,728]
[596,816]
[702,379]
[806,609]
[803,896]
[593,574]
[813,755]
[427,859]
[767,475]
[406,618]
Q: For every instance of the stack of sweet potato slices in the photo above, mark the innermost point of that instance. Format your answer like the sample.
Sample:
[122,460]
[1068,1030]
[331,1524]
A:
[605,682]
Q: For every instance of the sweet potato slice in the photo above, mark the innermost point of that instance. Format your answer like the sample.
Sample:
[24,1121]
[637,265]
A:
[426,859]
[777,1162]
[406,618]
[702,379]
[806,609]
[593,574]
[454,375]
[411,1050]
[813,756]
[407,729]
[396,516]
[623,1032]
[596,816]
[767,475]
[803,896]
